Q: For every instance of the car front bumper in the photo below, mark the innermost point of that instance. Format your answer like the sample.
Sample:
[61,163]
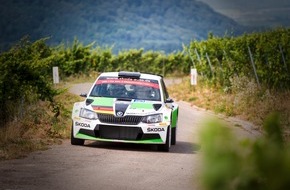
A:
[141,133]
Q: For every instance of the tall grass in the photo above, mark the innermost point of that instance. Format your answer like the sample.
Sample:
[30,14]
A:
[37,128]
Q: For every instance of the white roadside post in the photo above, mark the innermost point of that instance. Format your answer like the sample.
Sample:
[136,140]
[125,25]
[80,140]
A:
[55,75]
[193,76]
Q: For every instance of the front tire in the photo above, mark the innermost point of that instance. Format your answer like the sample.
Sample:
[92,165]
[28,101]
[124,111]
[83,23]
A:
[173,136]
[165,147]
[75,141]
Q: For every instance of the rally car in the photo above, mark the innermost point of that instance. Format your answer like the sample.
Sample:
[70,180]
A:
[128,107]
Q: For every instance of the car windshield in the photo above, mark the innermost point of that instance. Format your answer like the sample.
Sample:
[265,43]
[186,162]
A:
[138,89]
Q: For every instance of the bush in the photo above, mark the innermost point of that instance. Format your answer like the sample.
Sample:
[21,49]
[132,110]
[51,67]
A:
[25,77]
[231,163]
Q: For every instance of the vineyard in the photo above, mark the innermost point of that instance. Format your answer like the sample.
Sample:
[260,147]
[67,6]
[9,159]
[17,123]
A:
[26,69]
[262,56]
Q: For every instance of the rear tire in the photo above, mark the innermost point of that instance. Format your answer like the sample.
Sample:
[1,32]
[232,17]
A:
[165,147]
[75,141]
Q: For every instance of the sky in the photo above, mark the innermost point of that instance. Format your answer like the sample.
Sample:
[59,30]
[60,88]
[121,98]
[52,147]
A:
[269,13]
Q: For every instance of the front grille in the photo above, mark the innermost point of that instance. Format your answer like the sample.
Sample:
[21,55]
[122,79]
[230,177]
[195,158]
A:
[120,132]
[127,120]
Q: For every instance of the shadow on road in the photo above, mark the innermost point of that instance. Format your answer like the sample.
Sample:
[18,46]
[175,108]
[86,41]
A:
[185,148]
[180,147]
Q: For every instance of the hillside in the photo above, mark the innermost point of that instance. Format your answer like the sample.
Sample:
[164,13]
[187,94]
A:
[124,24]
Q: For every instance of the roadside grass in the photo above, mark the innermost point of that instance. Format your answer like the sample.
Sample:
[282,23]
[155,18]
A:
[243,100]
[38,127]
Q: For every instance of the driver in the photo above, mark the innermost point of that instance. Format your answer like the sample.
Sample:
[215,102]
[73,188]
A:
[116,90]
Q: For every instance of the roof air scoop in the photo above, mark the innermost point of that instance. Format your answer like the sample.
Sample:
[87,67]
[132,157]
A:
[127,74]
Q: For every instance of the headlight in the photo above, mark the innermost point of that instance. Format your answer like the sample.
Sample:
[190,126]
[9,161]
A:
[88,114]
[157,118]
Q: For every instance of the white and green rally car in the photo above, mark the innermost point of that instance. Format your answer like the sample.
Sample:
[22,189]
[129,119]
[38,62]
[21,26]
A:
[129,107]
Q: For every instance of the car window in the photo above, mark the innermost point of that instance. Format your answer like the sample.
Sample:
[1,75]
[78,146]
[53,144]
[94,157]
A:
[124,88]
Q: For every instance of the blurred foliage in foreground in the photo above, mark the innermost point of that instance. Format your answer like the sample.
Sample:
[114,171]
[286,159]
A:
[231,163]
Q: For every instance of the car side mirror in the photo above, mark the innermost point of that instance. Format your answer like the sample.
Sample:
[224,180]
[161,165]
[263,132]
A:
[169,100]
[84,95]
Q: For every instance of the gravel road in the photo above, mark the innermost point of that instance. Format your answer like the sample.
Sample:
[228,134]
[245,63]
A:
[99,165]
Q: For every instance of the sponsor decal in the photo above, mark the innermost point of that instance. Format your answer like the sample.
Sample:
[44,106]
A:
[141,105]
[103,109]
[82,124]
[139,82]
[155,129]
[139,100]
[77,118]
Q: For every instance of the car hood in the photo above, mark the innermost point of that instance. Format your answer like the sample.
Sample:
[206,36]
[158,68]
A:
[122,107]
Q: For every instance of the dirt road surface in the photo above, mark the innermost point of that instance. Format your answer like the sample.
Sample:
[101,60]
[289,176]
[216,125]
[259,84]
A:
[99,165]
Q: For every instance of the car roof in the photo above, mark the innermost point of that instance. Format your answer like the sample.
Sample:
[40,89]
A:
[142,75]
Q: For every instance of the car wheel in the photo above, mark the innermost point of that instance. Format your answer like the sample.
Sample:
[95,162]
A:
[75,141]
[165,147]
[173,136]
